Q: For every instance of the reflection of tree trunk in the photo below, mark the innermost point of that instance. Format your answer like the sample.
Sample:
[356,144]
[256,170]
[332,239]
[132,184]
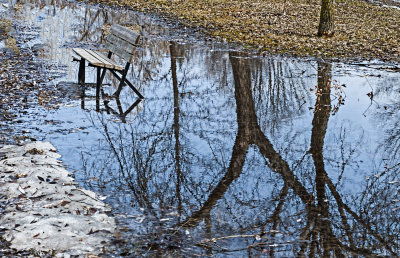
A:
[249,132]
[172,48]
[244,110]
[278,165]
[323,225]
[320,125]
[320,219]
[234,170]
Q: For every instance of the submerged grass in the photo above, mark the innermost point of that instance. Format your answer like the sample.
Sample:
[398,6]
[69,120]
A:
[10,42]
[362,30]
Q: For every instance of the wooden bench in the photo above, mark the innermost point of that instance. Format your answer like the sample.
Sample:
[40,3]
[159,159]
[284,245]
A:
[122,42]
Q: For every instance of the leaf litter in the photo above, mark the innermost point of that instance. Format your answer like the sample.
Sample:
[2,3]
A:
[363,30]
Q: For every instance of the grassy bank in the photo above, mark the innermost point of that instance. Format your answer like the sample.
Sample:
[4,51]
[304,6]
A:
[362,30]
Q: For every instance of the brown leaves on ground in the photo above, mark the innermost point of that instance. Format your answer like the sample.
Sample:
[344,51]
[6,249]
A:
[362,30]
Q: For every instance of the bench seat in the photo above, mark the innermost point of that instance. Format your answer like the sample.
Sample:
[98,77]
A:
[97,59]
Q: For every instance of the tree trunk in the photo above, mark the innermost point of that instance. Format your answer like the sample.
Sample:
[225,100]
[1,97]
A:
[326,19]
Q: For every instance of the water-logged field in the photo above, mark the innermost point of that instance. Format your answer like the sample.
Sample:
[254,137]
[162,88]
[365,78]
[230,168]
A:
[228,154]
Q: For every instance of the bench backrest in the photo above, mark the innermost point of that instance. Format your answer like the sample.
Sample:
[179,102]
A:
[122,42]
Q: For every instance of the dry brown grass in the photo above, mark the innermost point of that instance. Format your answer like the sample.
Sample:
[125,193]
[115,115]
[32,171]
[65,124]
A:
[362,30]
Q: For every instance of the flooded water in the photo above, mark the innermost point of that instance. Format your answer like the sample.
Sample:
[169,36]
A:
[228,154]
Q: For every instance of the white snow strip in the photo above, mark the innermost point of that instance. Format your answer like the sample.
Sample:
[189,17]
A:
[46,210]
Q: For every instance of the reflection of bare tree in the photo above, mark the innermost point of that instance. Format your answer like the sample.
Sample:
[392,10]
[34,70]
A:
[157,164]
[249,132]
[319,223]
[318,235]
[89,22]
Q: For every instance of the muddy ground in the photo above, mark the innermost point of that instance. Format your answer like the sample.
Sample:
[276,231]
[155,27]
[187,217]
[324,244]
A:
[23,79]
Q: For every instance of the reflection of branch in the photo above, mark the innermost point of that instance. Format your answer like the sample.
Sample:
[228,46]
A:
[306,234]
[278,209]
[127,176]
[259,236]
[233,172]
[364,113]
[354,215]
[345,161]
[278,165]
[121,114]
[275,215]
[89,26]
[210,244]
[232,236]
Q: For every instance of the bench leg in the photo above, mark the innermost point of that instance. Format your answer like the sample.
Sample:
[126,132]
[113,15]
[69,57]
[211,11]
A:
[134,89]
[105,69]
[81,72]
[122,81]
[98,85]
[83,98]
[103,75]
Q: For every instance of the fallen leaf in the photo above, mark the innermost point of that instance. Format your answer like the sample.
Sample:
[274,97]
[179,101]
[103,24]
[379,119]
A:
[64,202]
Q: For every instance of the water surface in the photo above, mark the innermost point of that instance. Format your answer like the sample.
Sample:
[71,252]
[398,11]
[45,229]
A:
[229,153]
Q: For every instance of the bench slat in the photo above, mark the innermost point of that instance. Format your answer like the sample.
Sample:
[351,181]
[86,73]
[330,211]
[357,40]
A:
[119,52]
[125,34]
[120,47]
[97,59]
[84,54]
[107,62]
[122,42]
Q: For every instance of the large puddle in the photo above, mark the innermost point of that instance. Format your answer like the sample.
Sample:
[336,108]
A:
[228,154]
